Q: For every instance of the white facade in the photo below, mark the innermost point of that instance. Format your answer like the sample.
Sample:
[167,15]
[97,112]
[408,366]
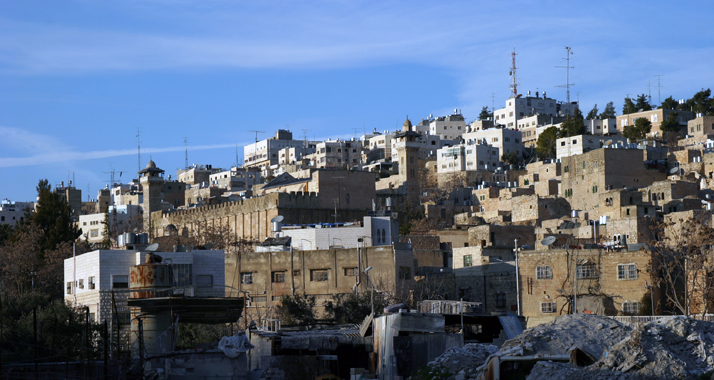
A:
[570,146]
[264,154]
[90,278]
[235,179]
[92,225]
[467,157]
[13,212]
[506,140]
[601,126]
[520,107]
[448,127]
[375,231]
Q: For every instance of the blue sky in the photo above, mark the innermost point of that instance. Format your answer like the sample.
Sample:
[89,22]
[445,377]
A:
[78,78]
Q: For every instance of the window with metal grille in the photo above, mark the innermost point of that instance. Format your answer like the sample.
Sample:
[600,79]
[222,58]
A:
[626,271]
[500,300]
[278,277]
[318,275]
[632,308]
[90,282]
[246,278]
[468,260]
[547,307]
[543,272]
[588,270]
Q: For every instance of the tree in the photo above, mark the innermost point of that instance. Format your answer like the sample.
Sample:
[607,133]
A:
[670,124]
[629,107]
[638,131]
[642,103]
[573,126]
[511,158]
[484,115]
[54,216]
[683,263]
[669,104]
[545,146]
[296,310]
[592,114]
[352,308]
[609,112]
[702,102]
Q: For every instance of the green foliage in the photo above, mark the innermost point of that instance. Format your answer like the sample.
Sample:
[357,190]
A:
[296,310]
[638,131]
[54,216]
[642,103]
[592,114]
[628,107]
[484,115]
[670,124]
[609,112]
[669,104]
[511,158]
[573,126]
[192,335]
[702,102]
[545,146]
[353,307]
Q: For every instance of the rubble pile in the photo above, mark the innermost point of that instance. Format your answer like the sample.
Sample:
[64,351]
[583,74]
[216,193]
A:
[470,356]
[671,348]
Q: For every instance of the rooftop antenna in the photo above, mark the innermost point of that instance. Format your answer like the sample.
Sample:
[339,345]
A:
[111,196]
[236,155]
[659,89]
[304,136]
[567,84]
[493,105]
[514,77]
[185,144]
[256,134]
[138,146]
[649,91]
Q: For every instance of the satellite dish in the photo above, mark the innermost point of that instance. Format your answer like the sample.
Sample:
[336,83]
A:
[548,241]
[152,247]
[674,170]
[277,219]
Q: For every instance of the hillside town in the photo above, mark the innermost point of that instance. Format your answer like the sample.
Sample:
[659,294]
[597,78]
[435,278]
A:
[370,257]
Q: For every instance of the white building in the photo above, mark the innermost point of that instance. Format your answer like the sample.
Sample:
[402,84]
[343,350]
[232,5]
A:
[13,212]
[448,127]
[601,126]
[92,225]
[264,154]
[374,231]
[236,179]
[570,146]
[520,107]
[91,278]
[506,140]
[467,157]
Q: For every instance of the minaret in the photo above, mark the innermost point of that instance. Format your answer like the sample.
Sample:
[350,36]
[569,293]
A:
[407,147]
[152,181]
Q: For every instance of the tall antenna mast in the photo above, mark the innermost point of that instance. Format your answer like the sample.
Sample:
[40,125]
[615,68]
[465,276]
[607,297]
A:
[304,136]
[236,155]
[514,77]
[649,91]
[659,89]
[185,144]
[567,85]
[493,107]
[138,146]
[256,134]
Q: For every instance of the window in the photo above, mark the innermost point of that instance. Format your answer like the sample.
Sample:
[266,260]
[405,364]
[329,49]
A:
[588,270]
[93,233]
[543,272]
[204,280]
[81,283]
[547,307]
[246,278]
[584,164]
[69,287]
[594,189]
[90,283]
[468,260]
[318,274]
[350,272]
[626,271]
[405,273]
[278,277]
[562,143]
[632,308]
[296,273]
[120,282]
[566,169]
[500,300]
[183,274]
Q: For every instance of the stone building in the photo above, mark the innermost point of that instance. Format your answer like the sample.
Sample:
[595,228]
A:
[73,196]
[656,117]
[585,175]
[570,146]
[197,174]
[701,125]
[497,236]
[267,276]
[607,282]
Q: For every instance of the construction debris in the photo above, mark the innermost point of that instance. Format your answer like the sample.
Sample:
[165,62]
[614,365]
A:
[590,347]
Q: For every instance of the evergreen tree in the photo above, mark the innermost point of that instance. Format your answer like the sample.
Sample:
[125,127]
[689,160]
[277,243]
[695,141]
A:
[638,131]
[670,124]
[609,112]
[629,107]
[484,115]
[702,102]
[669,104]
[545,146]
[53,215]
[573,126]
[642,103]
[592,114]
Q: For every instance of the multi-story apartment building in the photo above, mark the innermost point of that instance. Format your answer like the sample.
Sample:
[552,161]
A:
[506,140]
[13,212]
[236,179]
[570,146]
[520,107]
[467,157]
[93,228]
[448,127]
[264,154]
[656,117]
[601,126]
[338,154]
[196,174]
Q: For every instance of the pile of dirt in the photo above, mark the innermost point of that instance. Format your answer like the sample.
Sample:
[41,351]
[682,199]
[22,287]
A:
[466,358]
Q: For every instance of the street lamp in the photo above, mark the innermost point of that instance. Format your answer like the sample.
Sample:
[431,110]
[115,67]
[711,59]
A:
[371,297]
